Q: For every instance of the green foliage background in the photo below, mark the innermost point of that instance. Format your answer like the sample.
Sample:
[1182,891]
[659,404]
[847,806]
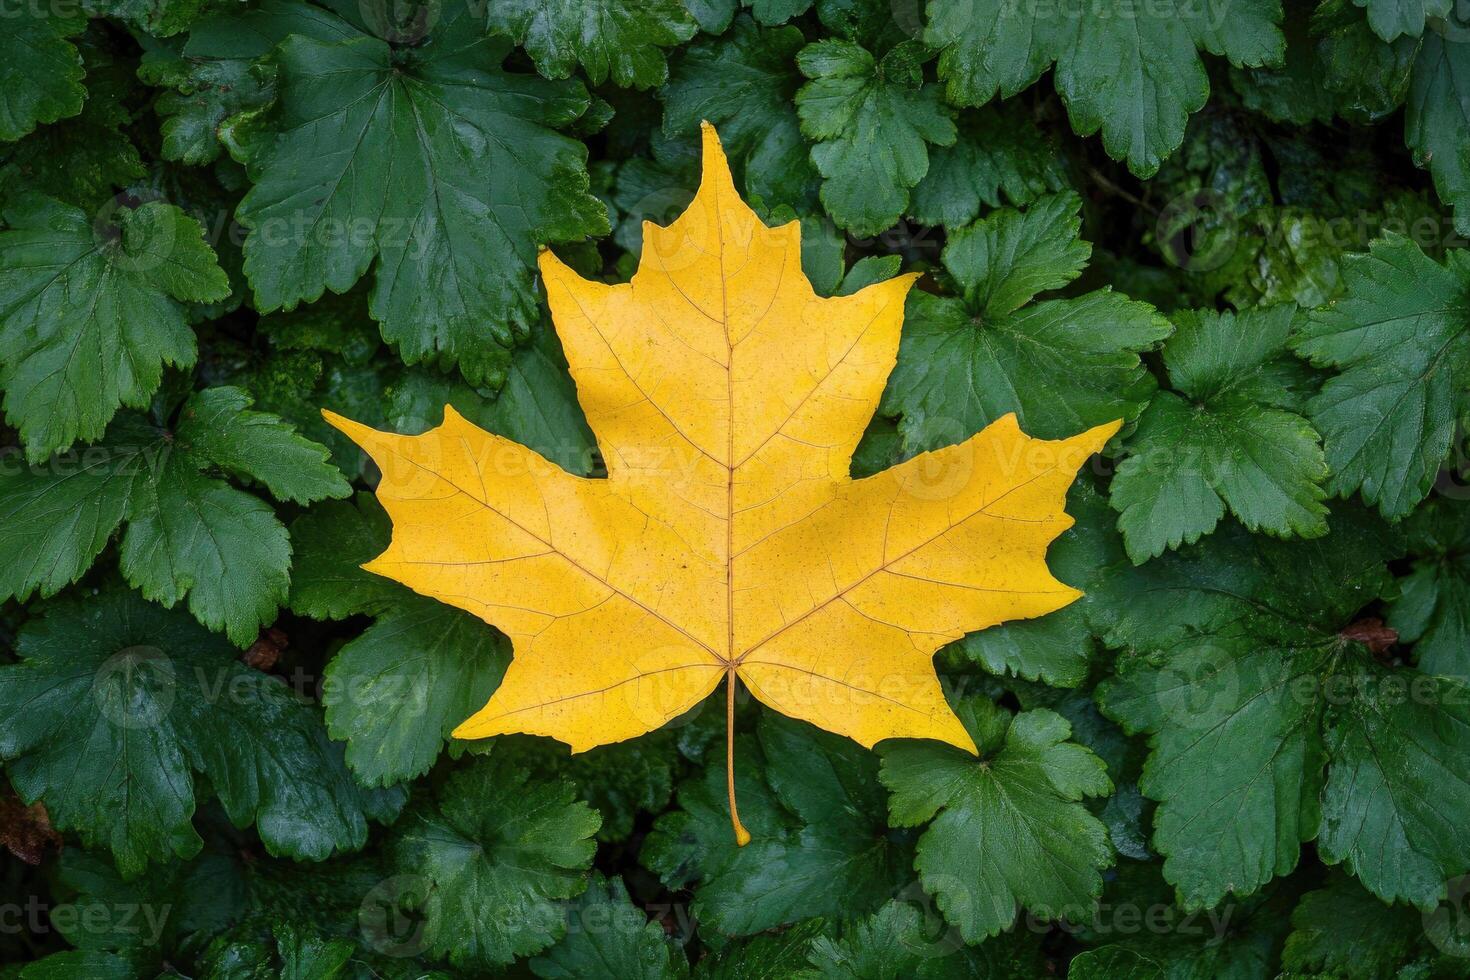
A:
[1240,227]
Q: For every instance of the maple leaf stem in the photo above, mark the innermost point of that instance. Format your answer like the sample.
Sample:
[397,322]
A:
[742,836]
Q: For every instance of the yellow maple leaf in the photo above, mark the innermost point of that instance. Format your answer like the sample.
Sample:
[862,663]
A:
[728,539]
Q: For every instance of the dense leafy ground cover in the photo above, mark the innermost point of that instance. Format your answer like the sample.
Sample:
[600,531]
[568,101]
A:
[1240,228]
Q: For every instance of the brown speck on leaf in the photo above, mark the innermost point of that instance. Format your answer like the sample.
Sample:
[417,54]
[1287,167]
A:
[266,649]
[1372,633]
[26,831]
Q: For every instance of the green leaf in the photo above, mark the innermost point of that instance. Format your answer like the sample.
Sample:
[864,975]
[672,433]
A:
[1292,92]
[1369,79]
[1000,152]
[334,325]
[1341,930]
[499,849]
[78,963]
[307,957]
[1135,74]
[90,313]
[537,405]
[982,52]
[1392,18]
[332,542]
[40,70]
[1227,438]
[292,909]
[281,950]
[866,271]
[1146,936]
[60,516]
[219,85]
[745,83]
[114,704]
[190,535]
[873,122]
[1240,235]
[764,956]
[1062,365]
[656,189]
[164,910]
[713,16]
[1400,750]
[316,365]
[607,935]
[898,941]
[1432,610]
[159,18]
[620,781]
[1270,727]
[434,162]
[610,40]
[1137,79]
[889,943]
[100,157]
[1007,831]
[1437,116]
[1001,263]
[396,692]
[777,11]
[1400,339]
[820,843]
[1313,587]
[217,426]
[1236,759]
[203,94]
